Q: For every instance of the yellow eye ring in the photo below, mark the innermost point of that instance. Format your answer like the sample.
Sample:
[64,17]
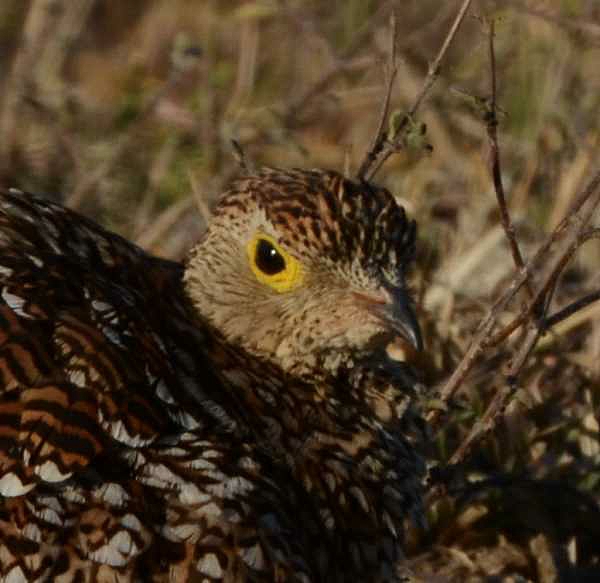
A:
[272,265]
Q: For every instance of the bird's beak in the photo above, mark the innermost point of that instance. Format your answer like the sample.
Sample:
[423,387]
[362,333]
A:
[400,316]
[395,309]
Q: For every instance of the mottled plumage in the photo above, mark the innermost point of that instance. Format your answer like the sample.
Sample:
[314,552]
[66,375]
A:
[234,419]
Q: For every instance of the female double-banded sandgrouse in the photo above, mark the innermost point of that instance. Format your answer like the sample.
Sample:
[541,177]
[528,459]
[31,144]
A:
[233,419]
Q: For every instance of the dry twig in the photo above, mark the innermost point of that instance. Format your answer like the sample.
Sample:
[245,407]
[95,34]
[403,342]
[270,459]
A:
[571,309]
[547,264]
[495,167]
[383,148]
[501,398]
[391,70]
[240,157]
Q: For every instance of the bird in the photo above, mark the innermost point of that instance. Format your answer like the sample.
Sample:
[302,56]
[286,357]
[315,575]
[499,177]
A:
[245,415]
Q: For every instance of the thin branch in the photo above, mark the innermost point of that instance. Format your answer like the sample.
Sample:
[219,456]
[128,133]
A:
[592,233]
[547,266]
[571,309]
[520,319]
[581,303]
[384,148]
[391,71]
[434,68]
[501,398]
[496,171]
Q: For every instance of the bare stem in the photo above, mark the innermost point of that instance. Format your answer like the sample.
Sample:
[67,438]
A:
[384,148]
[571,309]
[390,74]
[547,264]
[498,403]
[495,167]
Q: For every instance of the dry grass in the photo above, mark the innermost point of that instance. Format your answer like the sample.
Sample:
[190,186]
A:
[130,108]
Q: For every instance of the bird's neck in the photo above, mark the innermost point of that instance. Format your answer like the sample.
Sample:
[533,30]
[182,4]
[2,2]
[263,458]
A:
[360,414]
[343,439]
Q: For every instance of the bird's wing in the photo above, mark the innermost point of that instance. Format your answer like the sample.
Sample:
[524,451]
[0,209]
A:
[118,449]
[80,359]
[89,375]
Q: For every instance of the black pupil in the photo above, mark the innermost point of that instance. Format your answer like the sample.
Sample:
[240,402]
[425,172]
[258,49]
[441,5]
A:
[268,259]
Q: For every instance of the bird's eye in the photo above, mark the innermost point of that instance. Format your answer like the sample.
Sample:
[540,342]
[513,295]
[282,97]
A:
[268,259]
[273,265]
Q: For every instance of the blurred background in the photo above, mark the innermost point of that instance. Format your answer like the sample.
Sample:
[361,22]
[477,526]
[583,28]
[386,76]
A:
[126,111]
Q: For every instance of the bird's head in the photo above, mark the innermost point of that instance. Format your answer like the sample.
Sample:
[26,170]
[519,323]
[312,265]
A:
[305,269]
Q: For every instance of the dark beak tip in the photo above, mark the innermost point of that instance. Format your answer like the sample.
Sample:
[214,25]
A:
[414,338]
[404,321]
[398,316]
[410,333]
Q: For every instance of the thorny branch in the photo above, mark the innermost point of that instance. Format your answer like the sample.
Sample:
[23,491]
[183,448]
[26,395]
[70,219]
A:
[383,148]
